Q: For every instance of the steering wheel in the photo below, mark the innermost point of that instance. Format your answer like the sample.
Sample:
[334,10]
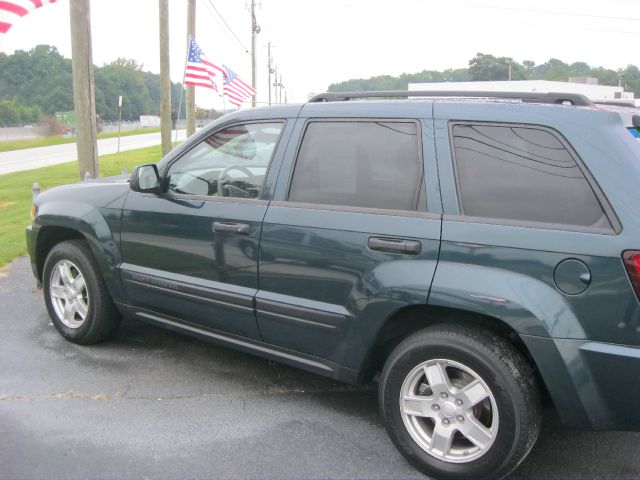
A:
[224,173]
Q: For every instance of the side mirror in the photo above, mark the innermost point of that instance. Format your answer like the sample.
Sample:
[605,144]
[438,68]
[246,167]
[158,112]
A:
[145,179]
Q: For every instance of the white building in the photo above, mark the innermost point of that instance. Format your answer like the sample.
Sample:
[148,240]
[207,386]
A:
[149,121]
[591,91]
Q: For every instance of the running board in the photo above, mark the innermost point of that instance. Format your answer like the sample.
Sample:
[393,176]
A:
[254,347]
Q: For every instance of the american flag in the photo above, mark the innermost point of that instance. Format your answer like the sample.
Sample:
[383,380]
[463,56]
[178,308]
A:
[200,71]
[220,138]
[235,89]
[12,10]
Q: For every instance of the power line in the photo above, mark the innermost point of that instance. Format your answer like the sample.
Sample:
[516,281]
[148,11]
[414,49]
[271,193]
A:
[570,27]
[563,26]
[209,3]
[546,12]
[214,11]
[272,34]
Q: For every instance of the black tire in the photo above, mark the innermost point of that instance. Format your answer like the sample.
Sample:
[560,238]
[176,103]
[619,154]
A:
[102,318]
[505,372]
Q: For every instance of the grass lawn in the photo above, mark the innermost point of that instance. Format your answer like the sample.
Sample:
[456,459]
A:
[8,145]
[15,193]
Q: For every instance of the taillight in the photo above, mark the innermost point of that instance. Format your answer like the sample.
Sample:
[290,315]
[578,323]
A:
[632,263]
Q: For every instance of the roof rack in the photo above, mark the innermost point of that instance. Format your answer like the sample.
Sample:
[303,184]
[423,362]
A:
[616,103]
[527,97]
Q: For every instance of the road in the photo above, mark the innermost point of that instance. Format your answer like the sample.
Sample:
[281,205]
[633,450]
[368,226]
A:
[30,158]
[154,404]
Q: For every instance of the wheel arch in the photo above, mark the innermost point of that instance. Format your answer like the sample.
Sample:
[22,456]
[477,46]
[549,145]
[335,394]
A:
[91,228]
[49,237]
[554,378]
[411,319]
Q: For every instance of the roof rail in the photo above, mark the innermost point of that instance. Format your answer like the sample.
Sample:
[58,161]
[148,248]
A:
[617,103]
[527,97]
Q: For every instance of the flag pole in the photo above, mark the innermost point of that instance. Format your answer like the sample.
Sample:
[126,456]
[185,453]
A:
[175,136]
[184,72]
[221,93]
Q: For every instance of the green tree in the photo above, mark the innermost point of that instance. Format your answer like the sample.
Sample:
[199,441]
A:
[41,79]
[13,113]
[30,77]
[605,76]
[579,69]
[488,67]
[9,114]
[631,79]
[122,77]
[528,66]
[553,69]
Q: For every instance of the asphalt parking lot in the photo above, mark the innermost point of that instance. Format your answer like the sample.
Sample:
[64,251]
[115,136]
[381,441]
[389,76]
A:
[154,404]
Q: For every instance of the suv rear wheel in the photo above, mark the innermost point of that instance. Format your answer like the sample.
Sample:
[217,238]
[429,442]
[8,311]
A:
[460,402]
[76,297]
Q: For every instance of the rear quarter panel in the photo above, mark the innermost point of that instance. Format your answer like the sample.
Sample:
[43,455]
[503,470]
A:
[513,265]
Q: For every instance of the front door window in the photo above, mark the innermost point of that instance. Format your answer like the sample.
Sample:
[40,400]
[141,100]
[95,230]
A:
[230,163]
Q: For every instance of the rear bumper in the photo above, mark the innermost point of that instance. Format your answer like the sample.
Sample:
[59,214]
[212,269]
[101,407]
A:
[593,385]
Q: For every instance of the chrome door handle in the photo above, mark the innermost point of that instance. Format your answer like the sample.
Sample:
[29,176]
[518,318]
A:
[394,245]
[232,227]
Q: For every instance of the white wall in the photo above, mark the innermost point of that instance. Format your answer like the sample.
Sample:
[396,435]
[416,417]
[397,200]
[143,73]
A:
[594,92]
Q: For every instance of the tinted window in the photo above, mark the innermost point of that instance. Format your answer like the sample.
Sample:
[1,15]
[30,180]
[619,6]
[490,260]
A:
[359,164]
[230,163]
[525,174]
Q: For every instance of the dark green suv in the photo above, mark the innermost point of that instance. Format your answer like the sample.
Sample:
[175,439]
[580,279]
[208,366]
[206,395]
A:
[472,255]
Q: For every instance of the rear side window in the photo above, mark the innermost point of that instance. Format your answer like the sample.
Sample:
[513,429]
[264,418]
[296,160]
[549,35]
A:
[524,174]
[371,164]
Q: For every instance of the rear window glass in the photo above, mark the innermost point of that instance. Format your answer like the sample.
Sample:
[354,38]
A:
[521,173]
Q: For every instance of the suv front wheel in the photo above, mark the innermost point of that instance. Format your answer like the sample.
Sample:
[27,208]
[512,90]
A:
[460,402]
[76,297]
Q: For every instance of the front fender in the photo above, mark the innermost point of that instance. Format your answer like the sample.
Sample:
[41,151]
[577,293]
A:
[100,226]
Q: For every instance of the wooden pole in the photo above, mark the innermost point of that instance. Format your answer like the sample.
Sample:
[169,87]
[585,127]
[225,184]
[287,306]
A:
[254,31]
[165,79]
[83,88]
[270,70]
[191,93]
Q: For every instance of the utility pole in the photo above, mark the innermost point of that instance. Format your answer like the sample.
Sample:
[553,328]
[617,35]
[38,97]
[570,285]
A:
[270,70]
[280,89]
[165,79]
[119,119]
[275,84]
[191,92]
[84,99]
[509,71]
[255,30]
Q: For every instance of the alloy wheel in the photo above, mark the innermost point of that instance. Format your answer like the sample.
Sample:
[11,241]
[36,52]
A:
[69,294]
[449,411]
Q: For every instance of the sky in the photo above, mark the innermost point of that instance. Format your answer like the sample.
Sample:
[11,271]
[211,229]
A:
[319,42]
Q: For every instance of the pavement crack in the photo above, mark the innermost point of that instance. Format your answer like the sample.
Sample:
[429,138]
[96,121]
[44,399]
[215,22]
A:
[244,396]
[55,396]
[123,395]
